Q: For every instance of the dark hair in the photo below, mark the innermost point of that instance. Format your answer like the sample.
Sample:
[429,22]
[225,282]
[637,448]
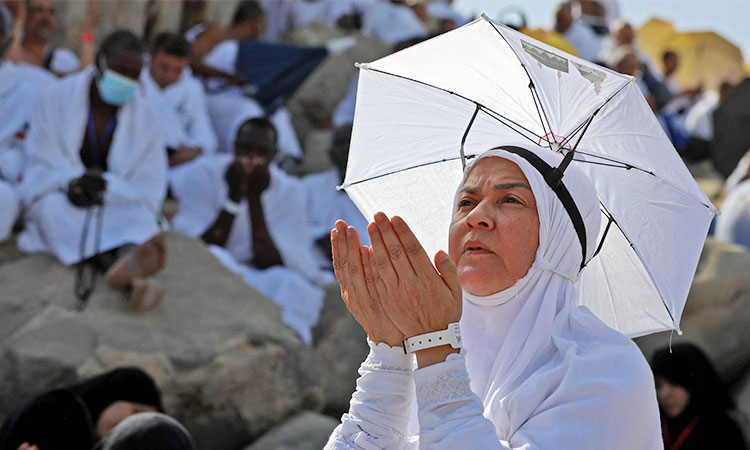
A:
[247,10]
[686,365]
[172,44]
[668,54]
[263,123]
[120,41]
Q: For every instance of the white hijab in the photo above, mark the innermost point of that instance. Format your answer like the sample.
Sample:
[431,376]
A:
[536,359]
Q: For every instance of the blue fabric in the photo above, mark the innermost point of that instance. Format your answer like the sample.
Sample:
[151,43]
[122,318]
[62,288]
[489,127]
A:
[276,70]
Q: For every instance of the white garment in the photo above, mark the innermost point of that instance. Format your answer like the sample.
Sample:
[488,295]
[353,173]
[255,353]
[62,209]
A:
[228,110]
[344,113]
[293,286]
[393,23]
[325,205]
[18,97]
[183,111]
[136,175]
[699,121]
[738,174]
[538,371]
[733,224]
[64,61]
[586,42]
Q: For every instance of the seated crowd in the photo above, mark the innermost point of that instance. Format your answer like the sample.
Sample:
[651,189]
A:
[92,144]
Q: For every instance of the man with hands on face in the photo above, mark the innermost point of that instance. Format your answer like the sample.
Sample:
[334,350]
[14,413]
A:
[252,215]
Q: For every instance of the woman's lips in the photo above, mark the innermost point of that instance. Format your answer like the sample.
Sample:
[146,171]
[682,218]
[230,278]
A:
[475,248]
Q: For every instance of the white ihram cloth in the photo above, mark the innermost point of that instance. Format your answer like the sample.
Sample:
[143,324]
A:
[537,372]
[182,110]
[136,175]
[325,205]
[228,110]
[18,96]
[64,62]
[293,286]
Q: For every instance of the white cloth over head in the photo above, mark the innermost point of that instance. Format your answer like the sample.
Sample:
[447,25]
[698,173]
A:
[136,174]
[543,372]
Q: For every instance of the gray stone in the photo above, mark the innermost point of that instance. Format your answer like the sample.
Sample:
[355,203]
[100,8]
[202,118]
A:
[305,431]
[216,347]
[341,346]
[716,312]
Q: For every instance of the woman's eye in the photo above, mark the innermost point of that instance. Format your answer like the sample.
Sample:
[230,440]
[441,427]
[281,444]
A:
[511,199]
[464,202]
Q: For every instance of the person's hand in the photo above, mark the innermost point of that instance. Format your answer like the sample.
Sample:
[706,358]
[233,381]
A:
[87,189]
[259,178]
[417,296]
[184,154]
[236,177]
[352,276]
[27,446]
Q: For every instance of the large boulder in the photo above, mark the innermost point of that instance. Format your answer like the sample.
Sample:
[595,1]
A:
[716,312]
[305,431]
[340,347]
[228,367]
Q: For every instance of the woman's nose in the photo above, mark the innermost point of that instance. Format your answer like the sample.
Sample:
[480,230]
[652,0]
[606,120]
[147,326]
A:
[480,217]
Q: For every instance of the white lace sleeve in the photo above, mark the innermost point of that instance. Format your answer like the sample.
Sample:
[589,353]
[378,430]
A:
[378,414]
[450,414]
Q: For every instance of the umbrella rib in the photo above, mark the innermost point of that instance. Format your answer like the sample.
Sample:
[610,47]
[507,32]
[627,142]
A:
[490,113]
[346,185]
[531,84]
[460,96]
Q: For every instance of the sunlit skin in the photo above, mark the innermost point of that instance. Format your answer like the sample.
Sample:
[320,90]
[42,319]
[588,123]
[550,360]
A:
[672,398]
[494,234]
[116,413]
[167,69]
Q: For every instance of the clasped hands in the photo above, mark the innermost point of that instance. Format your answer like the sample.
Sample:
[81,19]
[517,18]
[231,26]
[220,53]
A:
[391,287]
[247,177]
[87,190]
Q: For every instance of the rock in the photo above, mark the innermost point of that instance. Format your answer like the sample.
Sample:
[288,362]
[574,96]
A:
[228,368]
[305,431]
[340,347]
[716,312]
[316,159]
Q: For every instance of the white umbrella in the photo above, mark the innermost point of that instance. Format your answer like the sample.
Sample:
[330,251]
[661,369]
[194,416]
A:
[485,85]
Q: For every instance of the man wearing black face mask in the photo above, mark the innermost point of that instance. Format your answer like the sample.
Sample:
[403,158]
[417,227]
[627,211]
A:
[17,97]
[96,173]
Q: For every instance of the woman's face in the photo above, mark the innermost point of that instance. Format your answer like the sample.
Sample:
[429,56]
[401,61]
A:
[494,234]
[116,413]
[672,398]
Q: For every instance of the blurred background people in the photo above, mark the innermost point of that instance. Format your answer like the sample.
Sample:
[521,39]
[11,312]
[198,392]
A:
[693,402]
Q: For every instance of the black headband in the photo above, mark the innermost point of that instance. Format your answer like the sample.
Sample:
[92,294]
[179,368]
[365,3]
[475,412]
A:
[553,177]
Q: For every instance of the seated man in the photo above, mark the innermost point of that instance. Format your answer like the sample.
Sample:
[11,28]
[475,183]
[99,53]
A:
[326,204]
[179,98]
[252,214]
[96,173]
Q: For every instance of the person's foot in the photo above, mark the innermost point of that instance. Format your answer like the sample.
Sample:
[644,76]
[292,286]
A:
[147,259]
[146,293]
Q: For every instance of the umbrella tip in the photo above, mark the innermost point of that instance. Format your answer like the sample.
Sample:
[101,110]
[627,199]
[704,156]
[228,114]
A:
[360,65]
[484,16]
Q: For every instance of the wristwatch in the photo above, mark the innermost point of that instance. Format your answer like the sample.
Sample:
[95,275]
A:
[450,336]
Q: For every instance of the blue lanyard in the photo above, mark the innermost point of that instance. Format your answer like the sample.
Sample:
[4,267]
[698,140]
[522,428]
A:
[97,144]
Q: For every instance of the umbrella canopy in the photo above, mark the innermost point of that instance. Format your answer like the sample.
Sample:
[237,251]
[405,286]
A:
[706,58]
[485,85]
